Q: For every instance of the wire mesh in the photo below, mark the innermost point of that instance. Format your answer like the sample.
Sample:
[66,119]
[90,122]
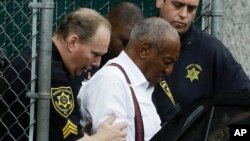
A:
[15,60]
[206,15]
[15,37]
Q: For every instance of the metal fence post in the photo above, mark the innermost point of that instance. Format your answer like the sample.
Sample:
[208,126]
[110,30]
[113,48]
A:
[33,71]
[44,79]
[216,13]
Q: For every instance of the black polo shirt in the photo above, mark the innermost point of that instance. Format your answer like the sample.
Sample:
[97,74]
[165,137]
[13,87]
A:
[205,67]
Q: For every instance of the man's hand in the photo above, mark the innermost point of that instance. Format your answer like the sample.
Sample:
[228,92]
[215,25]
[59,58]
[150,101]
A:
[87,128]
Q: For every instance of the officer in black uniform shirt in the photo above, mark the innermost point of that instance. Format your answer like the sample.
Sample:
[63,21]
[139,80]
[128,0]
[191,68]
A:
[78,44]
[205,65]
[64,116]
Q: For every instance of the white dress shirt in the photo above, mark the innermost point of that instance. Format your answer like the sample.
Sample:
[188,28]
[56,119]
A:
[107,92]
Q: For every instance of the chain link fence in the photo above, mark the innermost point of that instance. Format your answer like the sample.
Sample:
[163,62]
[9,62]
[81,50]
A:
[206,17]
[15,37]
[15,65]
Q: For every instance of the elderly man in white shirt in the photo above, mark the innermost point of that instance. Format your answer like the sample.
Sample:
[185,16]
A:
[124,85]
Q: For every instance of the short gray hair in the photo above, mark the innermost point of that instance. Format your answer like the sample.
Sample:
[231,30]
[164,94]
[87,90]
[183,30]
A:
[153,30]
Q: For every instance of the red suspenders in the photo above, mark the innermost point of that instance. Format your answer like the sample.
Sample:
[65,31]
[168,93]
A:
[139,131]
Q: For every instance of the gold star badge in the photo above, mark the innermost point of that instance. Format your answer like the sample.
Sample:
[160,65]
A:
[63,100]
[192,74]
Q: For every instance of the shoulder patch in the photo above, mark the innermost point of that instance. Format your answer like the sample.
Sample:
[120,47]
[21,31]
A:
[166,89]
[69,128]
[63,100]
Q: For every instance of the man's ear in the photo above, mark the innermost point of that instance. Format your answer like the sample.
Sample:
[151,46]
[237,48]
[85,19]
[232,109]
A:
[73,41]
[159,3]
[144,49]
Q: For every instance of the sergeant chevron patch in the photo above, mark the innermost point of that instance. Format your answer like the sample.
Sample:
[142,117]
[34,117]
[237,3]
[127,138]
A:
[69,128]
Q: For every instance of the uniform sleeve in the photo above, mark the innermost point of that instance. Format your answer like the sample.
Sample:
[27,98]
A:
[230,75]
